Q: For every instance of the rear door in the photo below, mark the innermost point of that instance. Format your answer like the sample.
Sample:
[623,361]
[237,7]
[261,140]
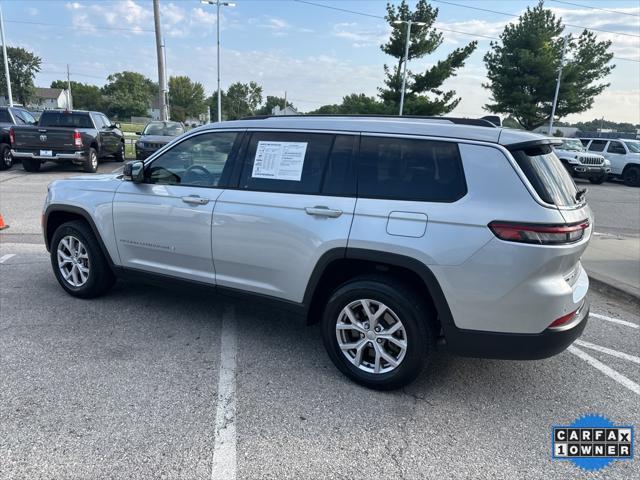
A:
[294,202]
[164,224]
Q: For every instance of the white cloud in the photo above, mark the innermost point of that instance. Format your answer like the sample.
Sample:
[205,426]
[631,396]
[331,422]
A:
[361,36]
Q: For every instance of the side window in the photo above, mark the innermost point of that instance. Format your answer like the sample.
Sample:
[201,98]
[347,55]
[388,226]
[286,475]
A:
[97,120]
[597,145]
[197,161]
[616,147]
[288,162]
[340,177]
[410,169]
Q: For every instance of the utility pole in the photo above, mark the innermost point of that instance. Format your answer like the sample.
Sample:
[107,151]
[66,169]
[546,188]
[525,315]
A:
[284,107]
[69,100]
[161,76]
[555,98]
[166,79]
[6,60]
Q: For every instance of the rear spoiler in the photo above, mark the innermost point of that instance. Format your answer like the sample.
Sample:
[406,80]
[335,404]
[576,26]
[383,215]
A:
[533,143]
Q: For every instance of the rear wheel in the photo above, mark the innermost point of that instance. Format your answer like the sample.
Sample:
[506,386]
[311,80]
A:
[91,162]
[375,331]
[78,262]
[631,176]
[31,164]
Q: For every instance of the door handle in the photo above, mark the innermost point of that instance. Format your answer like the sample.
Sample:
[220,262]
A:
[321,211]
[195,200]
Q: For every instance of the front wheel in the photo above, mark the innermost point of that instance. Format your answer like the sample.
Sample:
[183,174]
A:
[375,331]
[78,262]
[119,156]
[6,160]
[631,176]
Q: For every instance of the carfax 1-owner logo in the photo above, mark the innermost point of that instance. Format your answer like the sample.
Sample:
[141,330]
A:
[592,442]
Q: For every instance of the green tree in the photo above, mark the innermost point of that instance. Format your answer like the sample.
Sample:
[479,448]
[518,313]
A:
[239,101]
[522,69]
[128,94]
[186,98]
[356,103]
[423,93]
[23,66]
[83,95]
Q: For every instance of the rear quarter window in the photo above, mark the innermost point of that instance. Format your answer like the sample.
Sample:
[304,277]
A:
[547,175]
[410,169]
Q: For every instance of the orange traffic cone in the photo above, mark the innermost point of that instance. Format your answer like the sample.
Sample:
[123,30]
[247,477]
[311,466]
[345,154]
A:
[2,224]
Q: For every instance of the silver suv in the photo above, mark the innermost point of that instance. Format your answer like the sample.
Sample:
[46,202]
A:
[394,233]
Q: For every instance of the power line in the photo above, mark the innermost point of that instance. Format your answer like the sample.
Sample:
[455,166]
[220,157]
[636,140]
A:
[596,8]
[80,27]
[339,9]
[516,16]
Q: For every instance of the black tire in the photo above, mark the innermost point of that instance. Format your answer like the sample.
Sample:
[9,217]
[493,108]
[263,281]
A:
[119,156]
[31,164]
[631,176]
[91,161]
[409,307]
[100,278]
[6,160]
[598,180]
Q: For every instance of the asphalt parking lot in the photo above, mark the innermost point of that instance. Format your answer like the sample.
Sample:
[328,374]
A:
[151,382]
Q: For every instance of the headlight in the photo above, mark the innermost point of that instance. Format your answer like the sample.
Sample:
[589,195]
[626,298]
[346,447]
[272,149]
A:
[574,160]
[607,163]
[139,144]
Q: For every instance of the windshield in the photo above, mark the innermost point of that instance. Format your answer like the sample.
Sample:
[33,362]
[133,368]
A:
[164,129]
[634,147]
[547,175]
[574,145]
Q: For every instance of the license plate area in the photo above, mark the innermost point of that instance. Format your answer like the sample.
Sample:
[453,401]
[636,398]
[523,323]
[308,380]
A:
[46,153]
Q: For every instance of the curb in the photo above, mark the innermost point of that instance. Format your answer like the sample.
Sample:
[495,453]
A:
[615,288]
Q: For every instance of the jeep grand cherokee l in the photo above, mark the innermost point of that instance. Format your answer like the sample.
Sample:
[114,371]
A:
[391,232]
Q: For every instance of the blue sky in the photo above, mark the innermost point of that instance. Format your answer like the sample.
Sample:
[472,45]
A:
[316,54]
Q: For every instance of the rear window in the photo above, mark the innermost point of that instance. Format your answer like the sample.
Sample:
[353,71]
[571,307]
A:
[65,119]
[547,175]
[410,169]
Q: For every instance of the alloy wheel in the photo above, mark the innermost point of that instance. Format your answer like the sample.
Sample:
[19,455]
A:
[371,336]
[73,261]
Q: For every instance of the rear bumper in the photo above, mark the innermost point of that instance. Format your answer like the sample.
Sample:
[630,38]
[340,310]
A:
[79,155]
[517,346]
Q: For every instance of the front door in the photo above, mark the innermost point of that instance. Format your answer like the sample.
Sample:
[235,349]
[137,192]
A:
[617,155]
[164,224]
[294,203]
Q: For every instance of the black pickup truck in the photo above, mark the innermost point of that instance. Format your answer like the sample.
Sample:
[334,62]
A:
[10,116]
[63,135]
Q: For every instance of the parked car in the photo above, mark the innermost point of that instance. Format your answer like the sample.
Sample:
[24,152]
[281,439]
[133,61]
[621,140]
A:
[580,164]
[388,231]
[62,135]
[155,136]
[623,154]
[10,116]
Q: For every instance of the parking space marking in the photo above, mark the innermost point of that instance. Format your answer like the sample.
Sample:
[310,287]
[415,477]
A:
[608,371]
[6,257]
[614,320]
[608,351]
[224,444]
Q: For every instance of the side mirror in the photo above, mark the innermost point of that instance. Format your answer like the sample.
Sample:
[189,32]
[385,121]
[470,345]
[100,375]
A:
[134,171]
[139,133]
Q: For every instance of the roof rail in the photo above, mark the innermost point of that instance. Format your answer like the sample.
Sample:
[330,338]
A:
[478,122]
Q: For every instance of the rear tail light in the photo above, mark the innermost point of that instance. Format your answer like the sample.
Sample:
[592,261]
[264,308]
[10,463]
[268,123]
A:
[539,234]
[12,137]
[77,138]
[566,321]
[563,320]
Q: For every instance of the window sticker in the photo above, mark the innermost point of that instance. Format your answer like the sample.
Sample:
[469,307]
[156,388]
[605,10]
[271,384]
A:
[279,160]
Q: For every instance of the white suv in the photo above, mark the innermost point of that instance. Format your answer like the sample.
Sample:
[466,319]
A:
[392,232]
[623,154]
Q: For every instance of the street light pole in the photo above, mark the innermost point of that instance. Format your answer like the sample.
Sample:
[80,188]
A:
[6,60]
[218,4]
[161,70]
[555,97]
[404,68]
[406,58]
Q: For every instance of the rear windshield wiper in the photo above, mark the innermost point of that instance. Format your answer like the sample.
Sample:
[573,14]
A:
[580,194]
